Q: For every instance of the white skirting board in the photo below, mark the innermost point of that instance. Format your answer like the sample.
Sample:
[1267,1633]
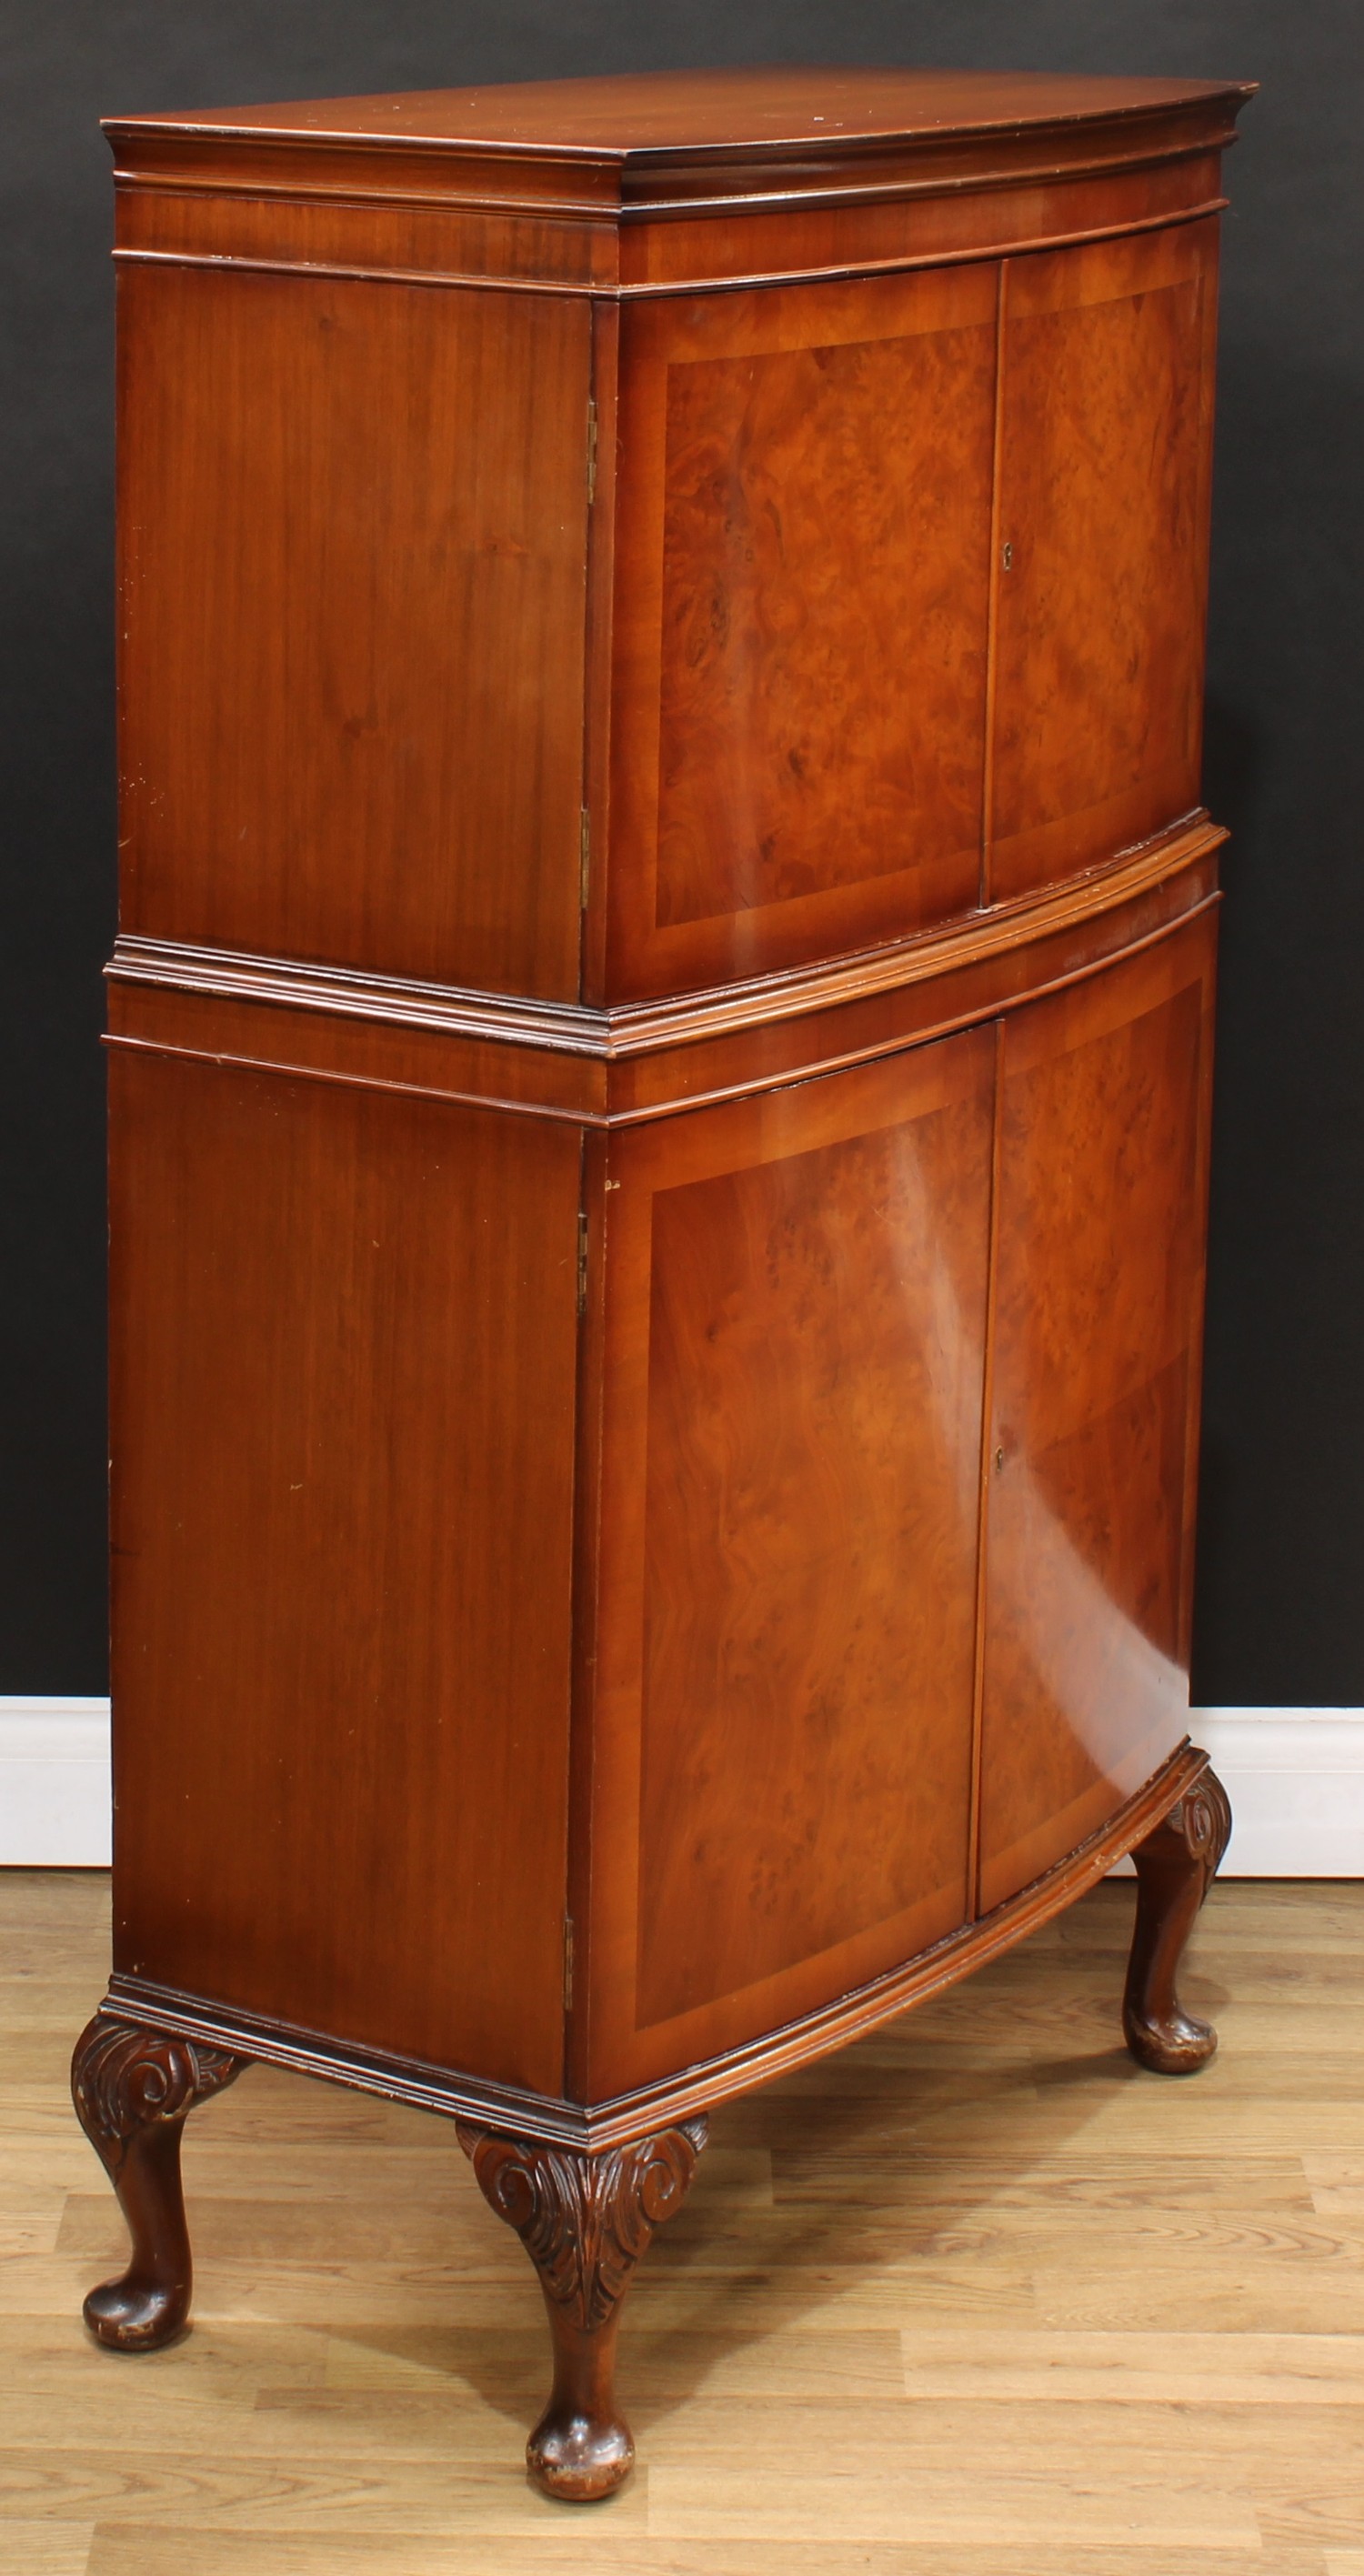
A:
[54,1784]
[1295,1777]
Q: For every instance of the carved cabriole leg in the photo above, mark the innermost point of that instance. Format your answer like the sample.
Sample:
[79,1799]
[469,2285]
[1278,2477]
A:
[1175,1868]
[132,2089]
[584,2221]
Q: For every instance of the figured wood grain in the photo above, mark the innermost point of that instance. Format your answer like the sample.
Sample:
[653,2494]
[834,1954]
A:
[352,580]
[798,726]
[815,1335]
[1105,456]
[876,2261]
[1098,1307]
[343,1356]
[600,648]
[794,1328]
[824,565]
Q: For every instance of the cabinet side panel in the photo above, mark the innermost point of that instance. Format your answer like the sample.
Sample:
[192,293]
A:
[803,564]
[1106,428]
[796,1307]
[344,1345]
[1098,1310]
[352,594]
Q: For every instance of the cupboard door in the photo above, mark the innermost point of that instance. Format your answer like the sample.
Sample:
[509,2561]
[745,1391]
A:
[1093,1432]
[794,1367]
[802,578]
[1105,453]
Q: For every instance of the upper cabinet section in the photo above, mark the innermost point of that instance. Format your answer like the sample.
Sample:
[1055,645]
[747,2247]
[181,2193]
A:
[600,539]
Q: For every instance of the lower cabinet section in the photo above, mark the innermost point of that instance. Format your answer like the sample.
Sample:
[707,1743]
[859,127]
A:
[901,1378]
[873,1446]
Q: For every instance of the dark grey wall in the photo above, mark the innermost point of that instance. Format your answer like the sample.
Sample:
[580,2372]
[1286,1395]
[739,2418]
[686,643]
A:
[1281,1544]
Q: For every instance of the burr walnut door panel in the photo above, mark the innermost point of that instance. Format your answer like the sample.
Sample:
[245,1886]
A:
[802,555]
[1092,1447]
[794,1369]
[353,540]
[1105,454]
[343,1364]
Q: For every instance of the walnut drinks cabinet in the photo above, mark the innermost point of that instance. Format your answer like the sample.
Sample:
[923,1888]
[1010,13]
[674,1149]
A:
[660,1053]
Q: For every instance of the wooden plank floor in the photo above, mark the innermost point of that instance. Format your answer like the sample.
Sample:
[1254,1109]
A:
[976,2295]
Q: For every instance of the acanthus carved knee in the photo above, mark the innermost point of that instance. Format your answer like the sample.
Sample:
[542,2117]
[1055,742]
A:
[584,2220]
[133,2089]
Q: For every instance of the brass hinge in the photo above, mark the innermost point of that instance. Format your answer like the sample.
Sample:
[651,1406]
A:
[582,1261]
[591,449]
[568,1963]
[584,856]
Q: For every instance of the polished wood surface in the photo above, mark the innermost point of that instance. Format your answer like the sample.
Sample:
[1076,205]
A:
[826,505]
[133,2090]
[771,107]
[351,663]
[1105,455]
[910,596]
[1175,1868]
[353,221]
[585,2222]
[794,1352]
[614,1067]
[799,717]
[1093,1439]
[983,2236]
[660,1050]
[816,233]
[591,2127]
[335,1325]
[758,792]
[646,183]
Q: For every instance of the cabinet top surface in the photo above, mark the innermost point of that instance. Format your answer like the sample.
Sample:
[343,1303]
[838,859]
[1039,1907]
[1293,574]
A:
[633,116]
